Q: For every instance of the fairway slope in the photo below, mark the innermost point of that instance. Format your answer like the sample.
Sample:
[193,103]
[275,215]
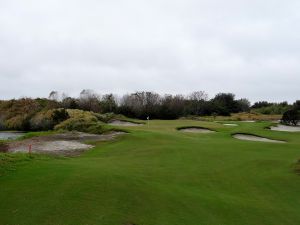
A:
[124,123]
[195,129]
[156,175]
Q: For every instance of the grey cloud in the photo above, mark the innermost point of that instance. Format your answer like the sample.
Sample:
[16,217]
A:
[246,47]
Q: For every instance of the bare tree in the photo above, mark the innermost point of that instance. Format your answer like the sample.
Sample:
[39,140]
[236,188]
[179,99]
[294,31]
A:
[198,96]
[141,104]
[54,95]
[89,100]
[108,103]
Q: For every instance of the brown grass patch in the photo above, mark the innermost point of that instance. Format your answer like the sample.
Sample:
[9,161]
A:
[243,117]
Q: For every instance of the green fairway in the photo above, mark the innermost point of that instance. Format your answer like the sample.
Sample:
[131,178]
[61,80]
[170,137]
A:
[157,175]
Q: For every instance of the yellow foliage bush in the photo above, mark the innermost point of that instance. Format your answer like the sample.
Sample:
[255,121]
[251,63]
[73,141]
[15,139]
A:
[79,120]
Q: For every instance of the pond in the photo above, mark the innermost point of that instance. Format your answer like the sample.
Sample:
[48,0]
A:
[10,135]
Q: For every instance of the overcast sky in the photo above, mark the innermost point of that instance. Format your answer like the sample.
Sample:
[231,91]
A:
[248,47]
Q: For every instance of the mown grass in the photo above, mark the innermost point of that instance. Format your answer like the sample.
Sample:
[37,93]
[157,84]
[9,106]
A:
[158,176]
[37,134]
[297,167]
[193,127]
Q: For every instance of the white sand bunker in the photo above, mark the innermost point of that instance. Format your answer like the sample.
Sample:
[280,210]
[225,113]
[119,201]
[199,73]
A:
[124,123]
[53,147]
[286,128]
[230,124]
[249,137]
[69,144]
[196,130]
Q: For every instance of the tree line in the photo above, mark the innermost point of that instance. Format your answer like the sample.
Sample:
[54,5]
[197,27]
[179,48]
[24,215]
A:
[43,113]
[143,104]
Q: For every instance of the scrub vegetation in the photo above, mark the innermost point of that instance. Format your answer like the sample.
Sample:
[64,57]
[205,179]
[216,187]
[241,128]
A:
[63,112]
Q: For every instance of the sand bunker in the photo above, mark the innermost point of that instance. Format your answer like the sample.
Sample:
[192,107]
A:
[68,144]
[196,130]
[124,123]
[275,121]
[286,128]
[230,124]
[56,147]
[249,137]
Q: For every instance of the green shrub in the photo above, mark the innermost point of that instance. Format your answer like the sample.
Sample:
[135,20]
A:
[274,109]
[42,121]
[105,117]
[59,115]
[291,117]
[2,126]
[46,120]
[19,122]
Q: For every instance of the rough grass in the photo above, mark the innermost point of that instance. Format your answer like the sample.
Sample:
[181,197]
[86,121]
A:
[9,162]
[158,176]
[37,134]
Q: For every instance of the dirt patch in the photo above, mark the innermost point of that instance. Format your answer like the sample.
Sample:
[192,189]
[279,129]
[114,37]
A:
[53,147]
[196,130]
[281,127]
[124,123]
[249,137]
[60,144]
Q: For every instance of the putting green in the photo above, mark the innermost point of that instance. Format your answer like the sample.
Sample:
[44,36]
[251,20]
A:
[158,176]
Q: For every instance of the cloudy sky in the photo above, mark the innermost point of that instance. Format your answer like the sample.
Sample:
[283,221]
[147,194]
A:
[248,47]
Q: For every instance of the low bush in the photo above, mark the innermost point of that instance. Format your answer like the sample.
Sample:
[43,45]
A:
[273,109]
[79,120]
[107,117]
[46,120]
[19,122]
[59,115]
